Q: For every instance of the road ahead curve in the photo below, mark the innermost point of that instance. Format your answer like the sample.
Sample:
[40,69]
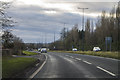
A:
[68,65]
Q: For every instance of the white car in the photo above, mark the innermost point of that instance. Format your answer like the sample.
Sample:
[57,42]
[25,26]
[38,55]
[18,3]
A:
[43,50]
[74,49]
[96,49]
[39,49]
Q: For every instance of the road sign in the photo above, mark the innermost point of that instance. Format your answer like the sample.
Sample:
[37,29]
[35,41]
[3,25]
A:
[108,41]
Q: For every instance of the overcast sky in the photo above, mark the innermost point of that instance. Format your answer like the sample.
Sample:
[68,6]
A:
[39,19]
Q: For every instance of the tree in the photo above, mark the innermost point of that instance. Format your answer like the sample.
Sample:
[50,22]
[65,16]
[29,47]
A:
[7,39]
[18,45]
[87,33]
[5,25]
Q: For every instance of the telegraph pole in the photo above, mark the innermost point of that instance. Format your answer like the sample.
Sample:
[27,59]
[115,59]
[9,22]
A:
[83,28]
[45,40]
[54,40]
[64,37]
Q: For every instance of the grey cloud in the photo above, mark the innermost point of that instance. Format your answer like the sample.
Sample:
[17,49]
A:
[32,22]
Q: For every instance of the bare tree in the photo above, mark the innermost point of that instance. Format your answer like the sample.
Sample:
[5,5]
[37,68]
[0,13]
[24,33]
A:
[6,23]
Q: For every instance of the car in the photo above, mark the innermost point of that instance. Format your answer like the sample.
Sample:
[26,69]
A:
[43,50]
[74,49]
[39,49]
[96,49]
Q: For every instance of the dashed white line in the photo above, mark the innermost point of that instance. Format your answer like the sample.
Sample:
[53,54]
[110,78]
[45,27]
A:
[71,56]
[87,62]
[78,58]
[106,71]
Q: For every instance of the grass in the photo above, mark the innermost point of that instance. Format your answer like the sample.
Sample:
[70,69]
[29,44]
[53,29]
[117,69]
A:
[115,55]
[12,65]
[29,53]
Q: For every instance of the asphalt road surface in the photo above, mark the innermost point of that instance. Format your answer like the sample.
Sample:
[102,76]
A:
[68,65]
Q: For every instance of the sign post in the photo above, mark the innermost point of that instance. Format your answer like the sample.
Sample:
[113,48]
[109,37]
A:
[108,41]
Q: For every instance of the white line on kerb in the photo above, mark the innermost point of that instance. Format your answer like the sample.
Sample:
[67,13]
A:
[87,62]
[106,71]
[38,68]
[78,59]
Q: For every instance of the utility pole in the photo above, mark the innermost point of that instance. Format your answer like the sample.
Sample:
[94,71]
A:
[45,39]
[54,40]
[118,19]
[83,28]
[64,37]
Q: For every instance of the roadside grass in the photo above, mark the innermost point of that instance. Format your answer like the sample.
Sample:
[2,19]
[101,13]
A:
[29,53]
[14,65]
[115,55]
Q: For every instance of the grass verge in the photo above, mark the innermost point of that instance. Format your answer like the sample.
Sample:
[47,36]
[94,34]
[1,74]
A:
[115,55]
[29,53]
[12,65]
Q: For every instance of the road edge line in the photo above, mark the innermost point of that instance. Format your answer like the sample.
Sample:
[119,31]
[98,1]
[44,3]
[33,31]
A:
[32,76]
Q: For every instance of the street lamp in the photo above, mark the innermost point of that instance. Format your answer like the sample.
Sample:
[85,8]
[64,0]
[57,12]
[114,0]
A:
[82,28]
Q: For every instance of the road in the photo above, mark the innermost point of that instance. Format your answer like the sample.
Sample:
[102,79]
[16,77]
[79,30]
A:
[68,65]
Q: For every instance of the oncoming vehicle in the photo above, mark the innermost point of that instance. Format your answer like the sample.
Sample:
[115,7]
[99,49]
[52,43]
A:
[39,49]
[96,49]
[74,49]
[43,50]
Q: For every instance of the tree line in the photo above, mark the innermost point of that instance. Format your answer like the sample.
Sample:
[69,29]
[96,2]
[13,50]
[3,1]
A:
[9,41]
[107,25]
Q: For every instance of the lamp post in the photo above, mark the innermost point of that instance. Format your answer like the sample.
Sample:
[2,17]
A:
[83,28]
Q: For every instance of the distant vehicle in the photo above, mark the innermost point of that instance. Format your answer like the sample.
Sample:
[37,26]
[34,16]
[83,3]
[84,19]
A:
[43,50]
[74,49]
[96,49]
[39,49]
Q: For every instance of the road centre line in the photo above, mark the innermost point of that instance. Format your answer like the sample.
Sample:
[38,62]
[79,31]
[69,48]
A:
[106,71]
[38,70]
[71,56]
[87,62]
[78,58]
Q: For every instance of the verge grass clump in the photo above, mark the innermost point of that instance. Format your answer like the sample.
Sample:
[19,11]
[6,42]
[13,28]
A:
[29,53]
[14,65]
[109,54]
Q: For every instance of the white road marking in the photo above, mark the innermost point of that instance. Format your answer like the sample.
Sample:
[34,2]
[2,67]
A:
[32,76]
[71,56]
[78,58]
[37,64]
[87,62]
[106,71]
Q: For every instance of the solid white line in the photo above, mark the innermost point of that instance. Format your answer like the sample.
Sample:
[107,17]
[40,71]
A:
[78,58]
[87,62]
[38,70]
[106,71]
